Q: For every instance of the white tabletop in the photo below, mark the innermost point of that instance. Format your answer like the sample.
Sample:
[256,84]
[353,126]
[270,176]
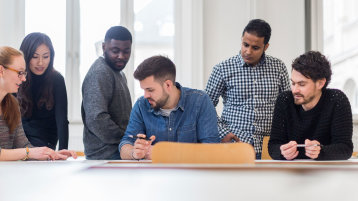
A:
[128,180]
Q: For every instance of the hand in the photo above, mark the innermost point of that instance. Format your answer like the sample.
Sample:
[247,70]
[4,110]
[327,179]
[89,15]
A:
[142,148]
[289,150]
[229,137]
[148,155]
[42,153]
[312,151]
[64,154]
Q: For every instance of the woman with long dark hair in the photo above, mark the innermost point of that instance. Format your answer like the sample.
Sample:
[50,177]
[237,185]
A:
[13,143]
[43,97]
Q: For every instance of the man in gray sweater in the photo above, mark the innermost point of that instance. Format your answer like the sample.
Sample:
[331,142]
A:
[106,103]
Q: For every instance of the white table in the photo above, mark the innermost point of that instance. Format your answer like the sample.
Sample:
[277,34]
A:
[100,180]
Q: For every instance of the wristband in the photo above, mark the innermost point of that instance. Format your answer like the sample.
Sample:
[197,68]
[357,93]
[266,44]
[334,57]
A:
[27,154]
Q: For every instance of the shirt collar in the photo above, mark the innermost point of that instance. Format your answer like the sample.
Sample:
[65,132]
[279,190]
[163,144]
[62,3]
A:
[181,102]
[261,62]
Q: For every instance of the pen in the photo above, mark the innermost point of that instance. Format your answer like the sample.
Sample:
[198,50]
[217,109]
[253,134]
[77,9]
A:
[312,145]
[136,137]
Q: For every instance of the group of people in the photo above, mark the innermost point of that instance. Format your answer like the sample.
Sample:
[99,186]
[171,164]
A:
[33,112]
[304,121]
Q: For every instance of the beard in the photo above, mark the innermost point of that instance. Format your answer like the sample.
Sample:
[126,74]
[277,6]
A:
[112,63]
[303,100]
[160,103]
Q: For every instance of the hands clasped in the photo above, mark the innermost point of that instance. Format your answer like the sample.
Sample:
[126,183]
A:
[289,150]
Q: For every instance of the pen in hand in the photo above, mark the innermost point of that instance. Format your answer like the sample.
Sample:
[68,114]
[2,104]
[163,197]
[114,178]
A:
[142,138]
[312,145]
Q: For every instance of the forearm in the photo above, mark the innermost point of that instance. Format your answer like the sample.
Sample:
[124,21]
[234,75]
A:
[275,152]
[127,152]
[339,151]
[106,130]
[12,154]
[62,136]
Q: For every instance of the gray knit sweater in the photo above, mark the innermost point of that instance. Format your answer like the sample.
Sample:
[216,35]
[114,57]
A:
[17,139]
[106,107]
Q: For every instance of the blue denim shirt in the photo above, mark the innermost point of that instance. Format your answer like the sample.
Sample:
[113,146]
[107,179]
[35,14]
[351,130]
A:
[193,120]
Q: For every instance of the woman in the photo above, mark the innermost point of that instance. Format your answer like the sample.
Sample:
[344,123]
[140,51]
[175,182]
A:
[43,98]
[13,143]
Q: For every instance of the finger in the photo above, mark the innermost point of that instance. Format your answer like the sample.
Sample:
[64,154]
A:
[61,156]
[141,135]
[288,145]
[140,142]
[73,154]
[290,151]
[138,153]
[152,138]
[312,156]
[290,154]
[140,146]
[236,138]
[294,156]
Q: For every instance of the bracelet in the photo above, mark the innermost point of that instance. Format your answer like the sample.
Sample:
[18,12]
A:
[27,154]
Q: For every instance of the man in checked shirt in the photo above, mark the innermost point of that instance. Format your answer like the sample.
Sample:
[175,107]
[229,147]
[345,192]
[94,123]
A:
[249,84]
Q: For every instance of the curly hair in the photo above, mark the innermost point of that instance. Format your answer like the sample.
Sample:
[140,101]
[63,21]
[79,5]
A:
[313,65]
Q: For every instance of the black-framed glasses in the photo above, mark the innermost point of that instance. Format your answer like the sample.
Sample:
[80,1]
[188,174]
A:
[19,73]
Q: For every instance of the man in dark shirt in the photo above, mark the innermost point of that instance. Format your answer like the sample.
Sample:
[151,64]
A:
[311,122]
[166,112]
[107,104]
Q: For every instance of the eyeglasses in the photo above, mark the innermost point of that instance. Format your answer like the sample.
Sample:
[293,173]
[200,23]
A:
[19,73]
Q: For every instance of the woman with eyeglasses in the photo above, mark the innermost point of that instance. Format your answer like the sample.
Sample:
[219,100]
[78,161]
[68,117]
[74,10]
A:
[43,97]
[13,143]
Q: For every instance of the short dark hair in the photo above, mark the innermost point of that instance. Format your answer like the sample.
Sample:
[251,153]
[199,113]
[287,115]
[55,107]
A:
[313,65]
[118,33]
[161,67]
[260,28]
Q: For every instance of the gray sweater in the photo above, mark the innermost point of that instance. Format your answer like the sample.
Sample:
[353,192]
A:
[106,107]
[17,139]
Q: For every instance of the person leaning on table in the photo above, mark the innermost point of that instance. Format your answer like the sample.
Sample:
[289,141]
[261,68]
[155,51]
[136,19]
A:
[312,115]
[167,112]
[13,143]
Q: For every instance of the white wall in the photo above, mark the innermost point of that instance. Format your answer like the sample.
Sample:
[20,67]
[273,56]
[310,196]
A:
[12,28]
[225,20]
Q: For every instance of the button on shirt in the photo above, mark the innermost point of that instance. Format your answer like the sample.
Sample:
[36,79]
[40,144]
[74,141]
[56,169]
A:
[192,120]
[249,94]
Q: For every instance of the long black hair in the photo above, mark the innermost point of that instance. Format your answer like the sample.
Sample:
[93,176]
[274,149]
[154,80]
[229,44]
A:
[28,46]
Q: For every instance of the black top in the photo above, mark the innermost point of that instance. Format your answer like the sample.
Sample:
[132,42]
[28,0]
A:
[329,122]
[46,127]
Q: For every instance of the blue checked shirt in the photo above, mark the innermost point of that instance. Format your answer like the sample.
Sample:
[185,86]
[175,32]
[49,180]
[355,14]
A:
[249,94]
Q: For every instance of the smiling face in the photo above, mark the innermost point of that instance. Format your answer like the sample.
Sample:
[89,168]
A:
[11,79]
[40,60]
[252,48]
[117,53]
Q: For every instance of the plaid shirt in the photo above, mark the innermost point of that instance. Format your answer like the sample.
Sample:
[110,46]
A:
[249,94]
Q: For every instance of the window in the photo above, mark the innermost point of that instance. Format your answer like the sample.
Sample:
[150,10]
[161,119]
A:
[52,22]
[95,19]
[153,32]
[340,45]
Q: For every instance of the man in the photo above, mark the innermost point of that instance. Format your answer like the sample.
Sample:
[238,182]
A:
[166,112]
[106,101]
[311,122]
[249,84]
